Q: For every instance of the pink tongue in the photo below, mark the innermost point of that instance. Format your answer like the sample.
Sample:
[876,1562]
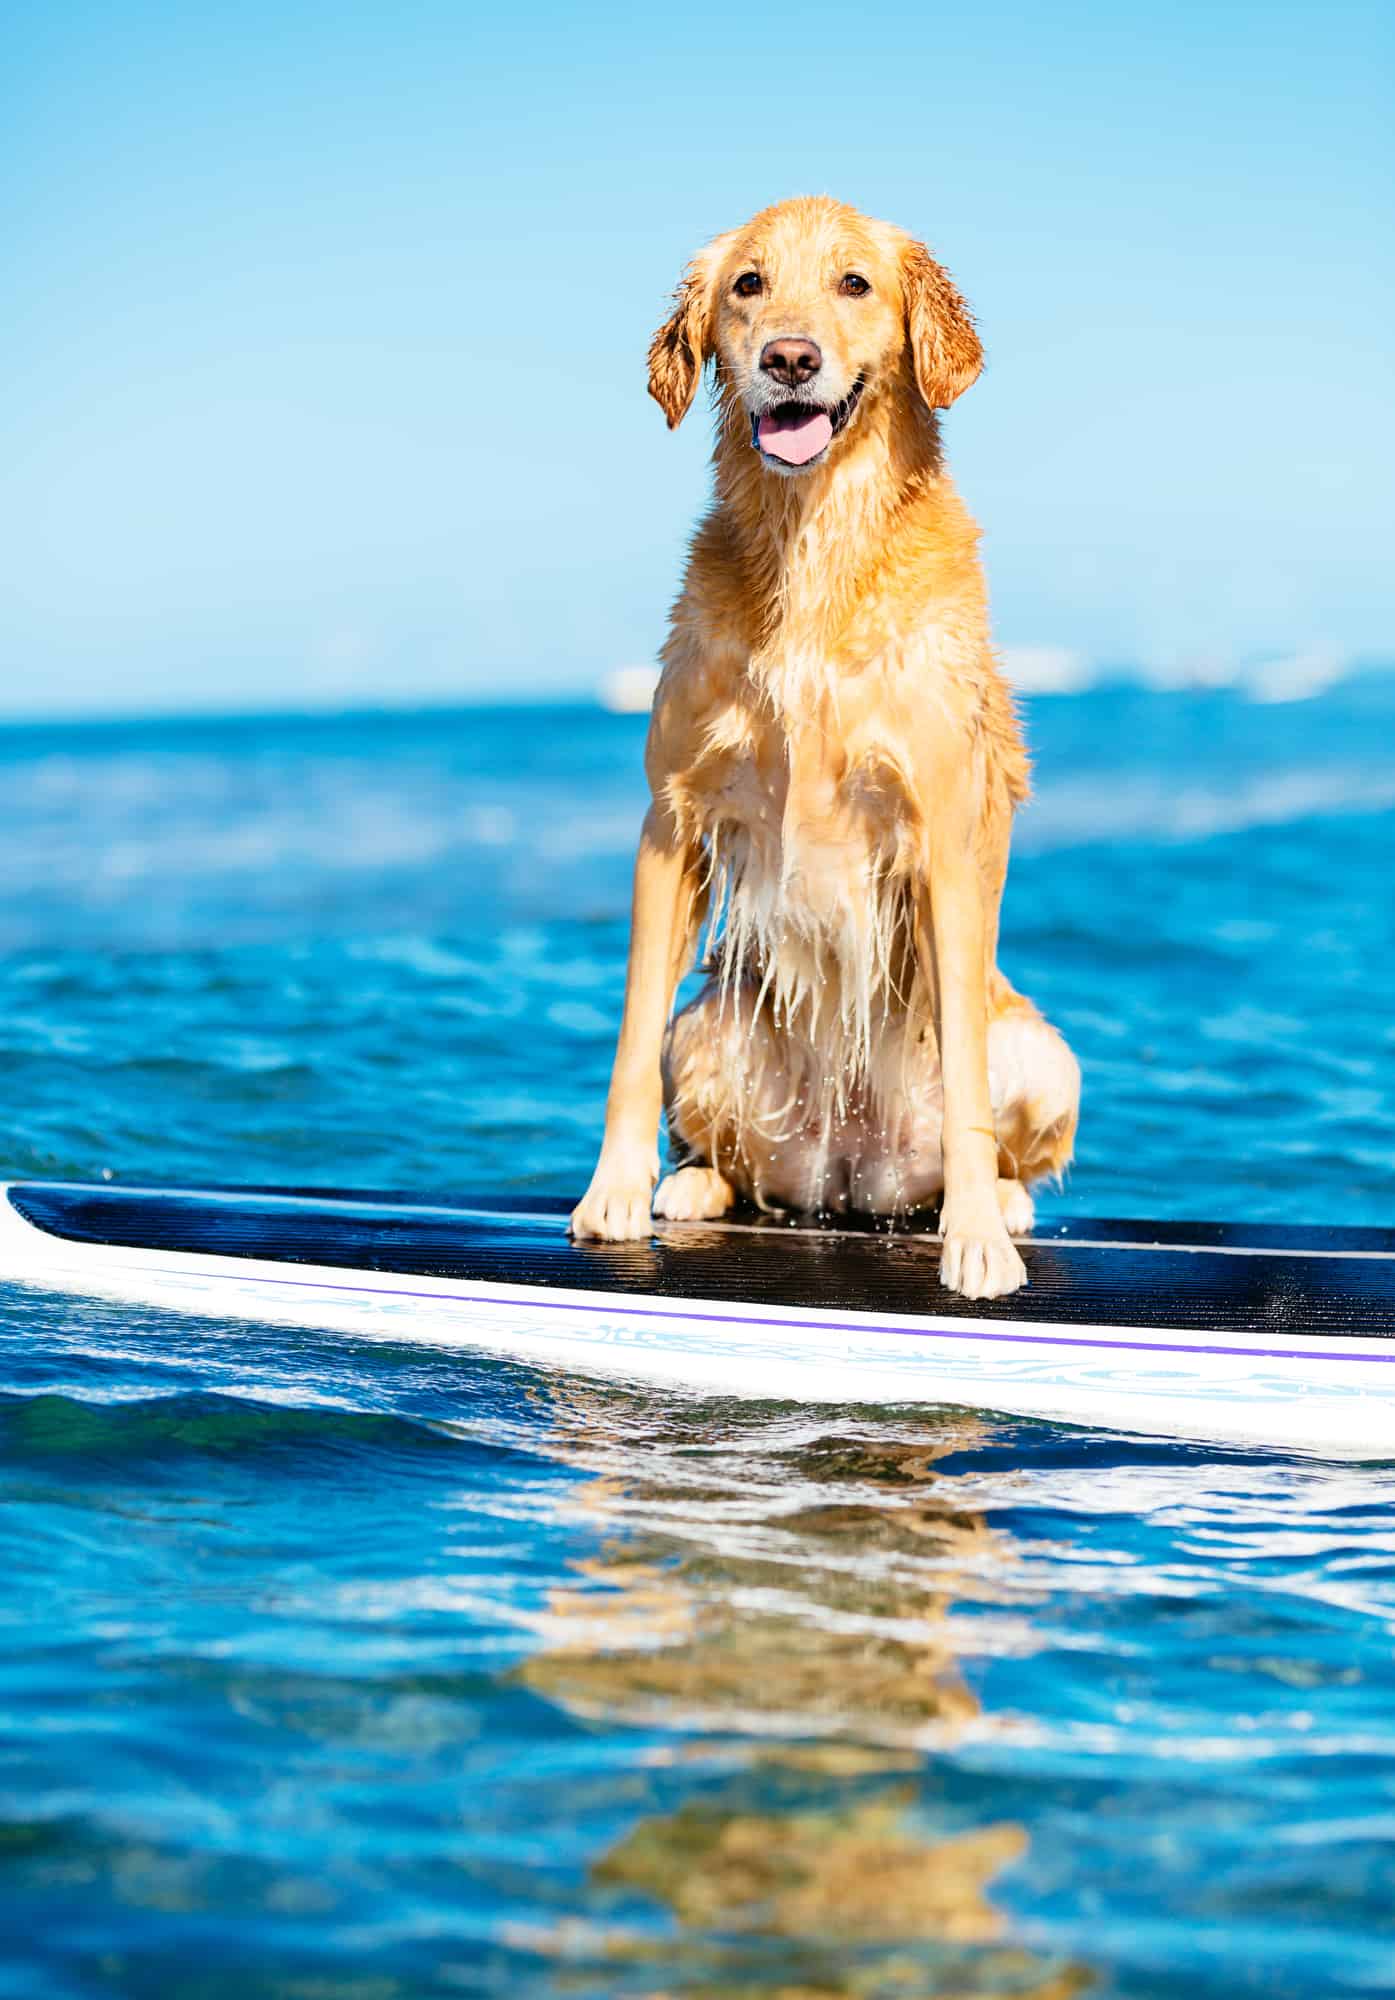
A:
[795,439]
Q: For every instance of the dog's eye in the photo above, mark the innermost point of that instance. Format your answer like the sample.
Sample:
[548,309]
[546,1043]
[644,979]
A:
[852,286]
[747,285]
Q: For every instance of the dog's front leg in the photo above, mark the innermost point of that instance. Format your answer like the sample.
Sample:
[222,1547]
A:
[616,1205]
[978,1257]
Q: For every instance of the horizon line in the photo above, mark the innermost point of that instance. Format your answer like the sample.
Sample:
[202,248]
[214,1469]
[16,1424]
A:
[1273,679]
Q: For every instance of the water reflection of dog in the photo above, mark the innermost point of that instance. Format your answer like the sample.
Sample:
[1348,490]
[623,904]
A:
[783,1588]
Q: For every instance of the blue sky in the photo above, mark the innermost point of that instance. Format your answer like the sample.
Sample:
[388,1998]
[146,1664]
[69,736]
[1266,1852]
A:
[321,370]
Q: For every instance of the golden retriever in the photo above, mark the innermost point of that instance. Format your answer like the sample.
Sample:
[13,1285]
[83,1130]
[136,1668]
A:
[833,761]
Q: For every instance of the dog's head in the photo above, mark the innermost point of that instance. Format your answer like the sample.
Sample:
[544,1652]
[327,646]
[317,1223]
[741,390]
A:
[811,312]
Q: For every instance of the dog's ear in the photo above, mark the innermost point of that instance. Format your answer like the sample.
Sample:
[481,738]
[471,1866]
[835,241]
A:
[683,344]
[945,348]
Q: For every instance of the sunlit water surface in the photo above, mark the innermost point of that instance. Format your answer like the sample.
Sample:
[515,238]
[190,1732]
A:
[351,1673]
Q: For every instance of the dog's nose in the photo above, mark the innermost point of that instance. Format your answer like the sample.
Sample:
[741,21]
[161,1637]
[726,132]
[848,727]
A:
[790,361]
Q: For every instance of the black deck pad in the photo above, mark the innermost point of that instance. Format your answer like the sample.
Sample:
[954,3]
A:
[1199,1276]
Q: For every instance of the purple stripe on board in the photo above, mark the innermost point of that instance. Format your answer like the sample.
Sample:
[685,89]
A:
[798,1326]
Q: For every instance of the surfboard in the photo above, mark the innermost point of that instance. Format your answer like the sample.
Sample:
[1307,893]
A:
[1249,1335]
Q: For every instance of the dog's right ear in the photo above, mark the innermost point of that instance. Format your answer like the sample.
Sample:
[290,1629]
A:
[681,347]
[683,344]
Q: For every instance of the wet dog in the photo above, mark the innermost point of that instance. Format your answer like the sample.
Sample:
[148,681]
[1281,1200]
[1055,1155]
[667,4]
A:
[834,761]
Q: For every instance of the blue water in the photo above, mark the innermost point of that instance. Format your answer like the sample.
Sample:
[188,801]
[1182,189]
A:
[361,1674]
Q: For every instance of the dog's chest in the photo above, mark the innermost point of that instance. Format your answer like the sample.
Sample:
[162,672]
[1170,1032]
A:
[805,815]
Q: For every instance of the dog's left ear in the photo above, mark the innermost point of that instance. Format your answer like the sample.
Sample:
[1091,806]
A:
[946,351]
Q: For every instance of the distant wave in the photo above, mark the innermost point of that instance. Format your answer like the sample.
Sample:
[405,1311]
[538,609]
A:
[1060,670]
[1078,811]
[1281,677]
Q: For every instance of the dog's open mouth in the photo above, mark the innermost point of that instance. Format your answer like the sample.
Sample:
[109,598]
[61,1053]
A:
[798,433]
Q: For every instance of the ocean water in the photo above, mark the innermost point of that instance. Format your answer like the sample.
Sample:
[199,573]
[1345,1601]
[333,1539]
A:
[361,1674]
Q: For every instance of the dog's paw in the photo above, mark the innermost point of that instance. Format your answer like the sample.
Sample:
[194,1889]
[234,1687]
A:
[693,1194]
[979,1260]
[1016,1206]
[617,1212]
[615,1208]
